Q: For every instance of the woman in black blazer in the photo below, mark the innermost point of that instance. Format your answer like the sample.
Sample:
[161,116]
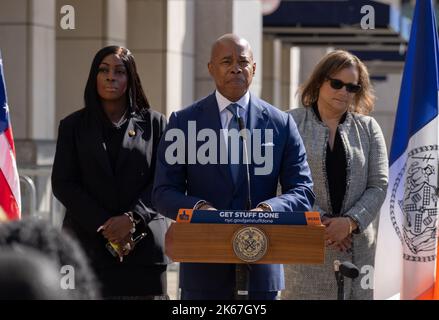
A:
[103,174]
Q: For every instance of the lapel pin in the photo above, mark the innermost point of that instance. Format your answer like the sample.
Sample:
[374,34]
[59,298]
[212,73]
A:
[131,133]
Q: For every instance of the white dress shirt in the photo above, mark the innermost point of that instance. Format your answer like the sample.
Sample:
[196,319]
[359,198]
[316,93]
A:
[226,115]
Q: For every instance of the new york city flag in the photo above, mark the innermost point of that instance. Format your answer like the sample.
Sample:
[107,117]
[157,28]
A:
[406,256]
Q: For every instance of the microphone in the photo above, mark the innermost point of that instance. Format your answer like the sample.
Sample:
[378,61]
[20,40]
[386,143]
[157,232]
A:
[349,270]
[345,269]
[242,270]
[244,137]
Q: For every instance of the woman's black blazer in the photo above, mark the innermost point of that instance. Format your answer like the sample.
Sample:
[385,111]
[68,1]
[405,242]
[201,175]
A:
[92,192]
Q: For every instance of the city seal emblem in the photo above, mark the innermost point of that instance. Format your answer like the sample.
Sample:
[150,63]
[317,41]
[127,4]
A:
[413,204]
[250,244]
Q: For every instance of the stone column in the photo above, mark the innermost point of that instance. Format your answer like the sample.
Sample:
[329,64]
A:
[247,23]
[27,33]
[294,77]
[309,57]
[286,92]
[180,55]
[272,71]
[214,18]
[387,91]
[98,23]
[160,35]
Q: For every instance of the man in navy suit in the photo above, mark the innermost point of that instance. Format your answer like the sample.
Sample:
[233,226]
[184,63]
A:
[187,181]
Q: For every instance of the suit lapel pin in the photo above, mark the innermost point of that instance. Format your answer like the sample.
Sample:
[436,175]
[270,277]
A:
[131,133]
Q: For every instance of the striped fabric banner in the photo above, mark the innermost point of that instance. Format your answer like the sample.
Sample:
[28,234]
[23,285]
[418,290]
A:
[10,202]
[405,263]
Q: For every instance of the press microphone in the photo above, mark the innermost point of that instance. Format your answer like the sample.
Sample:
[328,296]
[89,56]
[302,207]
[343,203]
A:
[345,269]
[349,270]
[242,270]
[242,127]
[247,165]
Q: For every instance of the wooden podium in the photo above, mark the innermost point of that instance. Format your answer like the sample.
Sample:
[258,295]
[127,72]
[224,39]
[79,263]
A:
[215,243]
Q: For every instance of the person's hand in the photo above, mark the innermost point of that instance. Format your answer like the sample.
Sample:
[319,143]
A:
[116,229]
[337,229]
[343,246]
[206,206]
[262,207]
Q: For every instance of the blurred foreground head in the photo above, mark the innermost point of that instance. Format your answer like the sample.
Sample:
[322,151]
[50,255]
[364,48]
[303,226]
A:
[59,248]
[26,274]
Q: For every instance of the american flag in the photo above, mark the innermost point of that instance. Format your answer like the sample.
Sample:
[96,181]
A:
[10,201]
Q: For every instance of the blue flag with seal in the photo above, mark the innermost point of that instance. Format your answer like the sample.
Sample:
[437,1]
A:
[405,260]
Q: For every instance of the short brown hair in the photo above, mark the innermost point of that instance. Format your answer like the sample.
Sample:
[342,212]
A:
[330,64]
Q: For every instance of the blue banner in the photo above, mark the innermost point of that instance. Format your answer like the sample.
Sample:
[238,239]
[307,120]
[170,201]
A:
[248,217]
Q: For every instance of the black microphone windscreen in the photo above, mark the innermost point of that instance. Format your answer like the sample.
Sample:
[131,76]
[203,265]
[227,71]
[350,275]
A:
[241,123]
[349,270]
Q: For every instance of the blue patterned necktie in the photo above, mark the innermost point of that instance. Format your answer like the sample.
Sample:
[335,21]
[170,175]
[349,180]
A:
[233,124]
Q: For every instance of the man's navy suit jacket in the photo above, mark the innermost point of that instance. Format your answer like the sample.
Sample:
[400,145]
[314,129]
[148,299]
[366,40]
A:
[183,185]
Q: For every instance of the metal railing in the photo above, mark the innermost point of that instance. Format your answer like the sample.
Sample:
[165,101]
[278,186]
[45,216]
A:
[37,199]
[28,184]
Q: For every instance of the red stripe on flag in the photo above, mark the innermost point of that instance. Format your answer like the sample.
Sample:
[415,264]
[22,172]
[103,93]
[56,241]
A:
[433,292]
[10,138]
[7,200]
[436,280]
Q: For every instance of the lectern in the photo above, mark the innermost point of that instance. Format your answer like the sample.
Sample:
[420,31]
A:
[246,237]
[262,240]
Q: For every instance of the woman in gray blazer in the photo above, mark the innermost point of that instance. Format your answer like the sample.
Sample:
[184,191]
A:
[348,160]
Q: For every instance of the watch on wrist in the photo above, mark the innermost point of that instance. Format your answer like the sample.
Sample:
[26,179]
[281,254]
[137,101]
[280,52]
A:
[200,204]
[131,217]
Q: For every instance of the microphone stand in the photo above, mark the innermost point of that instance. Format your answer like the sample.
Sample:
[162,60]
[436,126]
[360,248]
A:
[345,269]
[247,163]
[340,280]
[242,271]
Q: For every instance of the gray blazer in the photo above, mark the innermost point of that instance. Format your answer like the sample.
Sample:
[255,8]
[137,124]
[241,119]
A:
[366,186]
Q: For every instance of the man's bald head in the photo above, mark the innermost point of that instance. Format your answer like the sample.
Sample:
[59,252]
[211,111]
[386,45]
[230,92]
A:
[231,66]
[229,38]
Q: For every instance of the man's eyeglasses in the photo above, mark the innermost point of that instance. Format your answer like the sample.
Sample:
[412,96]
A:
[338,84]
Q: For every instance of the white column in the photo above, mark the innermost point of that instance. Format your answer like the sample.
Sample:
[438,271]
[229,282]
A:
[27,33]
[247,23]
[272,71]
[286,78]
[309,57]
[387,93]
[215,18]
[302,62]
[180,55]
[294,77]
[160,35]
[98,23]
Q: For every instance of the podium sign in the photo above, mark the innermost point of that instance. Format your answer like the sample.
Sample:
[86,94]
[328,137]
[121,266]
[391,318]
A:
[246,237]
